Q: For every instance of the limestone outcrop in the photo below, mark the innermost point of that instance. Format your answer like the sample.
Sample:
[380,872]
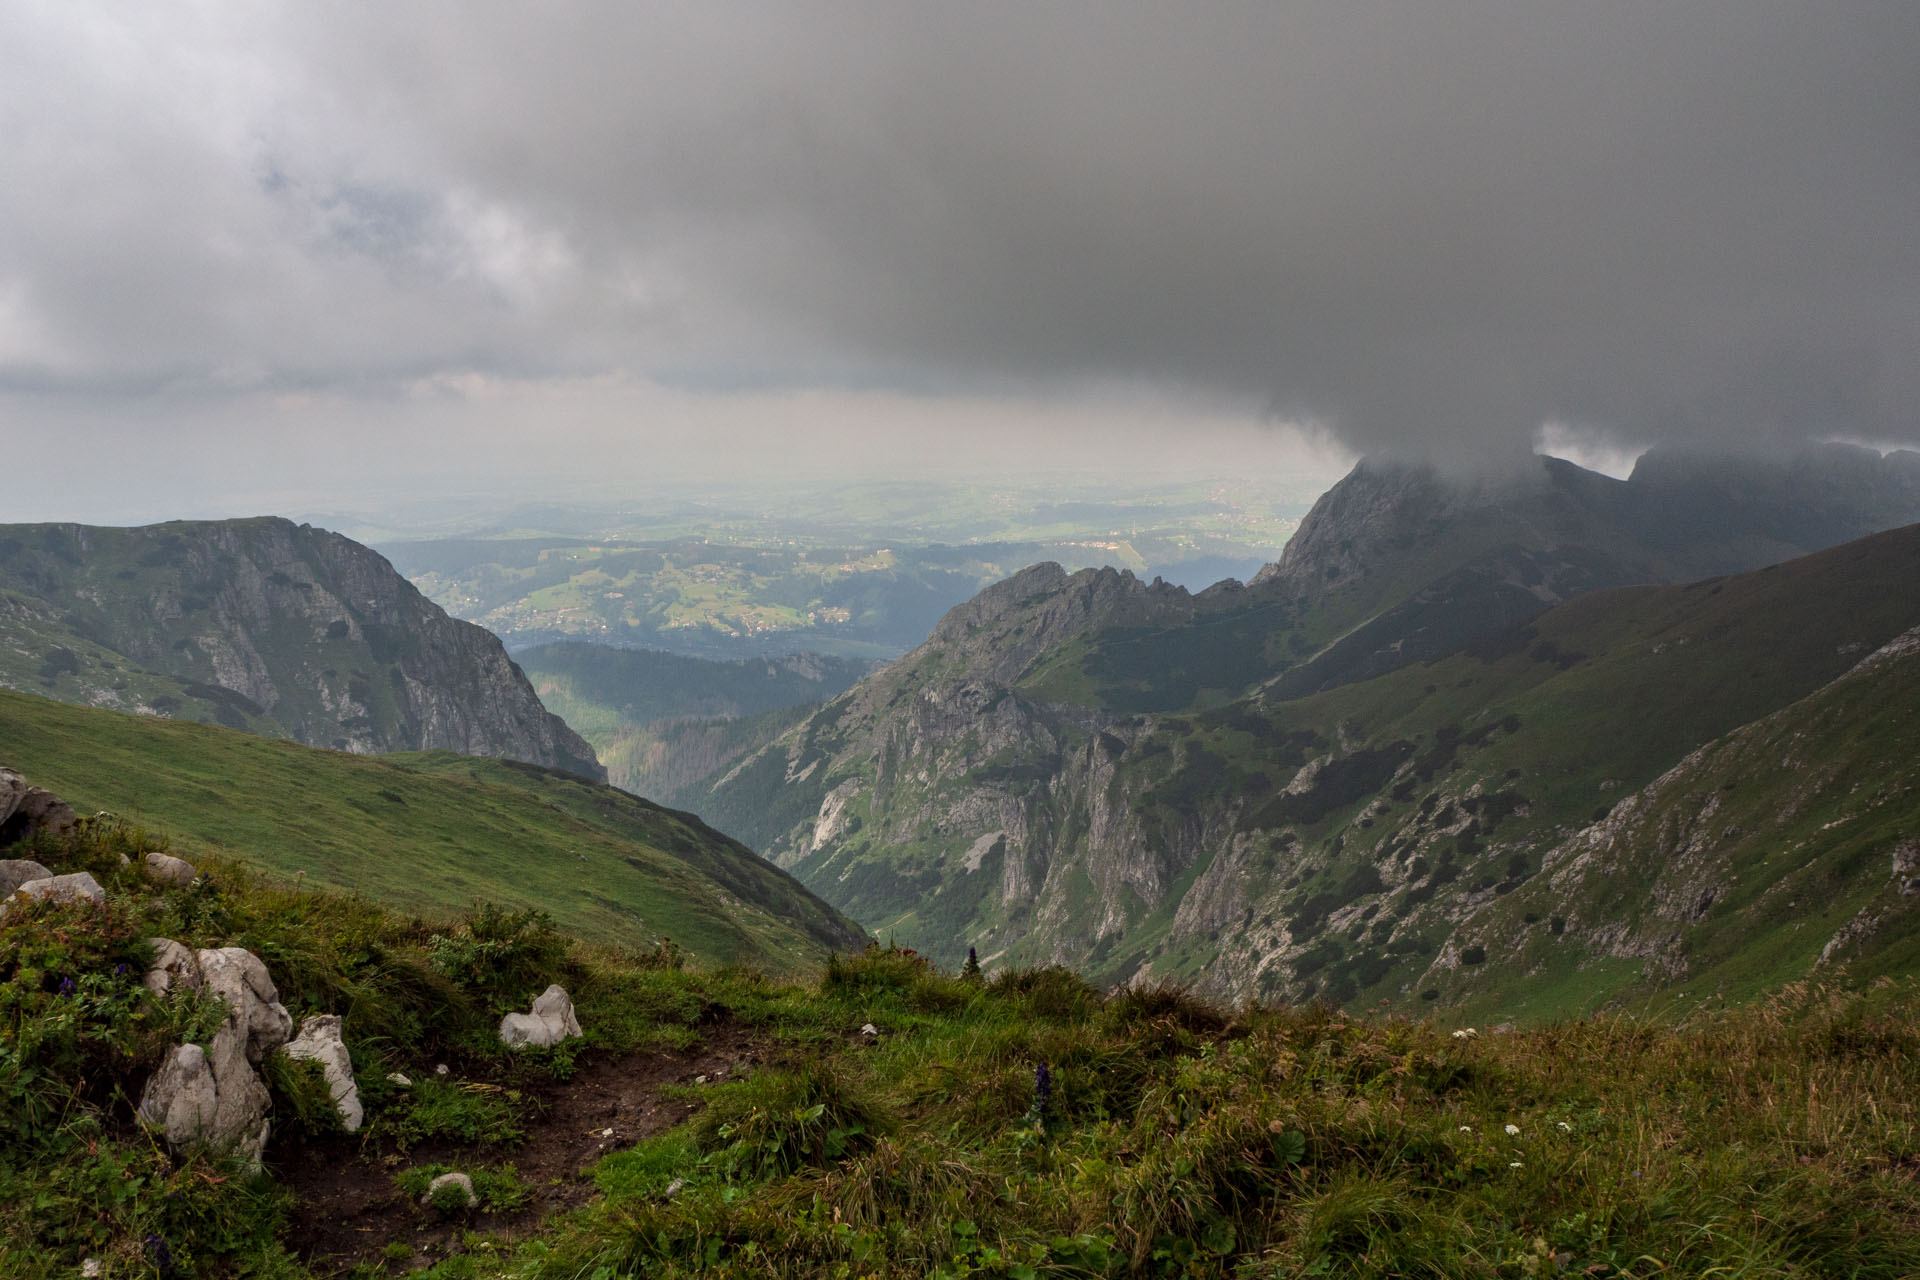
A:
[320,1041]
[551,1021]
[214,1097]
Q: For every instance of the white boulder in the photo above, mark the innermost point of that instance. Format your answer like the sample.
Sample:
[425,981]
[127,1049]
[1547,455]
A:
[551,1021]
[181,1098]
[320,1040]
[175,1098]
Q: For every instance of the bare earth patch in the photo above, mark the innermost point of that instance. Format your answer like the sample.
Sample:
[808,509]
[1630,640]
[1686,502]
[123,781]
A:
[348,1209]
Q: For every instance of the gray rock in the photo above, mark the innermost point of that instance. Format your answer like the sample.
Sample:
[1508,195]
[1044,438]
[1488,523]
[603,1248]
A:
[554,1006]
[169,870]
[15,872]
[173,966]
[460,1180]
[551,1021]
[257,1023]
[26,811]
[67,888]
[175,1099]
[320,1040]
[182,1098]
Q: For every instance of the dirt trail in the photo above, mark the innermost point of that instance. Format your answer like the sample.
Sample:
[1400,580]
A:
[348,1210]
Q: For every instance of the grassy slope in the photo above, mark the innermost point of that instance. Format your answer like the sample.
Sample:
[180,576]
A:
[1660,670]
[428,832]
[1739,866]
[1165,1137]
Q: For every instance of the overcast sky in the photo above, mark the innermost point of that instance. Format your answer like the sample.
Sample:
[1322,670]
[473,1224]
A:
[255,252]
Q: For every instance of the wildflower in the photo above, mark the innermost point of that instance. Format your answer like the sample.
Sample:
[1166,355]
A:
[1513,1131]
[1042,1097]
[1514,1164]
[1466,1128]
[67,986]
[162,1256]
[1564,1127]
[1466,1033]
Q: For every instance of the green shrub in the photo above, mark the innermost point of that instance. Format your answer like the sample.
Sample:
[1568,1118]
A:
[782,1121]
[466,1112]
[502,956]
[1054,992]
[302,1098]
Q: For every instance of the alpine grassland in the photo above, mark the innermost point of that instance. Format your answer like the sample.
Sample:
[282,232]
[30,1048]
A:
[429,832]
[883,1118]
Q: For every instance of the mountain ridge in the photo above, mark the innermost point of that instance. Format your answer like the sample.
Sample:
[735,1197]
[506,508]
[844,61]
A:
[1090,770]
[264,625]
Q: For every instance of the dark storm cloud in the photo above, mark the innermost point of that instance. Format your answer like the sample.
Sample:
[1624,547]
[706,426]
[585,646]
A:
[1431,226]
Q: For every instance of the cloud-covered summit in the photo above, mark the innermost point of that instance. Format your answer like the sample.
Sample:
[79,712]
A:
[1431,227]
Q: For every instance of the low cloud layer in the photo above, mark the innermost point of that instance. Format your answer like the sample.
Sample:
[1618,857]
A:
[1435,228]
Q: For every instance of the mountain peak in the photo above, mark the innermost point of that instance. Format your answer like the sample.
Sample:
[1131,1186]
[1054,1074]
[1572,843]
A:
[269,626]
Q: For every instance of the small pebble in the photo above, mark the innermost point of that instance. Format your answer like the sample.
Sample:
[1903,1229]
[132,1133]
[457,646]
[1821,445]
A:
[395,1077]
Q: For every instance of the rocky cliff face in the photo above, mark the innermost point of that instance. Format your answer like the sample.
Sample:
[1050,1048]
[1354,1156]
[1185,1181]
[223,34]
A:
[1332,836]
[263,625]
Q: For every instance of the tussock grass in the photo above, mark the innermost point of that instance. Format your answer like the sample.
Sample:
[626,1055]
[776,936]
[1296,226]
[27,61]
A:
[1026,1126]
[1185,1140]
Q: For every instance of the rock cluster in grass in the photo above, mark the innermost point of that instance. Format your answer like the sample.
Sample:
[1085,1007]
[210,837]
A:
[214,1098]
[550,1022]
[211,1097]
[67,888]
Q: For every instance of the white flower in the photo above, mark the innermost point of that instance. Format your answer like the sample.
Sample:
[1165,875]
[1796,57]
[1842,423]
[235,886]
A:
[1564,1127]
[1513,1131]
[1513,1164]
[1466,1128]
[1466,1033]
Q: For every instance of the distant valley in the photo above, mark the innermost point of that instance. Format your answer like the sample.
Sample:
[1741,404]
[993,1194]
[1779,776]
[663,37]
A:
[662,722]
[864,571]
